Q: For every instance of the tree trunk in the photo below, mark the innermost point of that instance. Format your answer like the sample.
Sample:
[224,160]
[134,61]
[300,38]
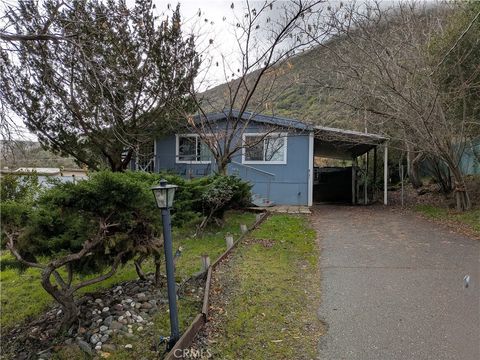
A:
[138,267]
[64,297]
[460,189]
[222,166]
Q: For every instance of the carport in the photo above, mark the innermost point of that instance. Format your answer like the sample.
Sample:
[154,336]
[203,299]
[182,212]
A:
[342,184]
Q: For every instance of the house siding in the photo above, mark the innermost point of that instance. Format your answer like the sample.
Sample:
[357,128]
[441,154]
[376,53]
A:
[284,184]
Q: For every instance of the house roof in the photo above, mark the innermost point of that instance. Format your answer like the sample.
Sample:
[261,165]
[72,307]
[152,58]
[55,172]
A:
[330,142]
[249,116]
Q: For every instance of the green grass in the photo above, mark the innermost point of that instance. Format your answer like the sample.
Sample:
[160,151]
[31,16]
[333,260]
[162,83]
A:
[271,289]
[22,295]
[470,218]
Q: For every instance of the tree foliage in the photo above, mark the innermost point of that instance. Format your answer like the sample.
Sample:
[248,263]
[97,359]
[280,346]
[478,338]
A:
[97,225]
[105,85]
[94,226]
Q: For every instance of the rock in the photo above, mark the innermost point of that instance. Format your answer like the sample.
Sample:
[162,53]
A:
[109,347]
[104,338]
[153,302]
[118,307]
[141,296]
[105,309]
[152,311]
[103,328]
[87,323]
[108,320]
[139,319]
[117,289]
[95,338]
[82,330]
[98,347]
[115,325]
[128,346]
[68,342]
[128,313]
[138,305]
[84,347]
[99,321]
[132,304]
[59,312]
[128,301]
[99,301]
[146,305]
[140,328]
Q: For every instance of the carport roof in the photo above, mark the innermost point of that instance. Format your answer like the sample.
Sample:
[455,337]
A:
[330,142]
[344,144]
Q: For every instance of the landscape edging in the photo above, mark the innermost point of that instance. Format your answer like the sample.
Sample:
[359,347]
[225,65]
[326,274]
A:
[201,319]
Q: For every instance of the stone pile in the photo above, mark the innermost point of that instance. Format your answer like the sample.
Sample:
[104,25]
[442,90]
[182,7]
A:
[124,312]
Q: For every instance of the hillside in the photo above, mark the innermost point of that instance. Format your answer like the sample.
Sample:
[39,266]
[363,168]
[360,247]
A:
[30,154]
[312,86]
[304,87]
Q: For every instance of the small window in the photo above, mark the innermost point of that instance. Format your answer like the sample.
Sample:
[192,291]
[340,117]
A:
[261,148]
[190,149]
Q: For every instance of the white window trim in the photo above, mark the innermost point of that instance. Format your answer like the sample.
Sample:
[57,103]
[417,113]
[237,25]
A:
[177,150]
[276,162]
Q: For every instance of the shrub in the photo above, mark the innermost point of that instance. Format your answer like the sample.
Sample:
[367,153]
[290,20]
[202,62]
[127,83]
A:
[88,227]
[19,188]
[222,193]
[98,224]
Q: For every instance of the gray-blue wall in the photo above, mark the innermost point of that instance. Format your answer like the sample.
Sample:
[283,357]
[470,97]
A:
[287,186]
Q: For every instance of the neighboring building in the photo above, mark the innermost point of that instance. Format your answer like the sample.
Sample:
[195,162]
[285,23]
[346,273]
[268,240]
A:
[64,175]
[280,166]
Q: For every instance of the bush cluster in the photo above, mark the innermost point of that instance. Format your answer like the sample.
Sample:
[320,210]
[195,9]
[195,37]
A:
[61,218]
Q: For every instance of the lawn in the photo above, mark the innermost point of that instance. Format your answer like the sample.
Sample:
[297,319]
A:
[267,293]
[470,219]
[22,296]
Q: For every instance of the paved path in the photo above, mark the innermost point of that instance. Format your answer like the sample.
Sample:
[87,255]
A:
[392,287]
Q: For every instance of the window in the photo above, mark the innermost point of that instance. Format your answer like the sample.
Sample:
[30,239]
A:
[190,149]
[262,148]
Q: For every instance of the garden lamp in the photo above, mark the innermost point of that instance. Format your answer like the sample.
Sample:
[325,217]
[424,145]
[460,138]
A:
[164,194]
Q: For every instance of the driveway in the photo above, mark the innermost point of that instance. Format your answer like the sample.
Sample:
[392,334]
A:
[392,287]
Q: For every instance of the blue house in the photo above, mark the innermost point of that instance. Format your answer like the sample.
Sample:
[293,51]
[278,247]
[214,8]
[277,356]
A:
[276,155]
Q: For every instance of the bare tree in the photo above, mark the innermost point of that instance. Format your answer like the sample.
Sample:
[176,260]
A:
[386,62]
[266,35]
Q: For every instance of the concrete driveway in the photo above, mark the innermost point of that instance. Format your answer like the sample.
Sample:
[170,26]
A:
[392,287]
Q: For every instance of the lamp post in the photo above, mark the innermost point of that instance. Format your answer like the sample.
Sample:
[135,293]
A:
[164,194]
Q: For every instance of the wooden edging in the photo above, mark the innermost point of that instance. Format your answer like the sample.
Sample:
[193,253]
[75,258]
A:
[187,337]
